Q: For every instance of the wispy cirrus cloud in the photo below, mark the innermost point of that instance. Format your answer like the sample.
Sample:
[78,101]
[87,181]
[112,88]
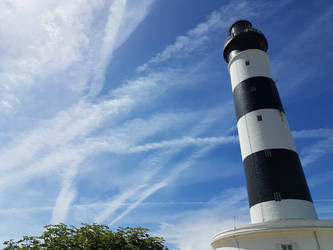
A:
[316,150]
[40,40]
[313,133]
[199,35]
[195,229]
[202,34]
[123,18]
[66,196]
[183,142]
[154,187]
[62,42]
[306,37]
[142,190]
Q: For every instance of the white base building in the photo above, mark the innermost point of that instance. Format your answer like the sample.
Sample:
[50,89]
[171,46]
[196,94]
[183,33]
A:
[278,235]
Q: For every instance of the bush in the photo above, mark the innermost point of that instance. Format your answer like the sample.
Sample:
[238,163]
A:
[89,236]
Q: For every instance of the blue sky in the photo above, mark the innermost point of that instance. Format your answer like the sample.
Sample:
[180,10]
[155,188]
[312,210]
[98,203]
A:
[120,112]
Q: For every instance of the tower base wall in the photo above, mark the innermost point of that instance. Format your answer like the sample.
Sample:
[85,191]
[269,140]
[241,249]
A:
[284,209]
[278,235]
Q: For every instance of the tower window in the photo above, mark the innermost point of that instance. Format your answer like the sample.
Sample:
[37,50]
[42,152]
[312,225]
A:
[247,62]
[277,197]
[286,247]
[268,153]
[259,117]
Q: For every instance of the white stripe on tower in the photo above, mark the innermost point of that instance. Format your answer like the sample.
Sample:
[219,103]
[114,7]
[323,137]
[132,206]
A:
[258,65]
[276,183]
[272,132]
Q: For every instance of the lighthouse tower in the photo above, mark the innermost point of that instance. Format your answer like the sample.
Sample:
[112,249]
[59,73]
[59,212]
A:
[281,209]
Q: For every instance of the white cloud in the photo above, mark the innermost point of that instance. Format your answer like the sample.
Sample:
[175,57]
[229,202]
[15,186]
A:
[141,197]
[115,18]
[115,204]
[140,191]
[289,74]
[124,17]
[63,37]
[313,133]
[61,43]
[71,151]
[189,42]
[183,142]
[196,38]
[154,187]
[194,230]
[65,197]
[316,150]
[67,126]
[321,178]
[58,136]
[38,149]
[43,38]
[135,13]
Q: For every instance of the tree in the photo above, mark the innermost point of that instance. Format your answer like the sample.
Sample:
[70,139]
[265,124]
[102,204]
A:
[89,236]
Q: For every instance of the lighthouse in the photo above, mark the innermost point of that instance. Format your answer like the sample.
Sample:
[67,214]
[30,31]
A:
[283,216]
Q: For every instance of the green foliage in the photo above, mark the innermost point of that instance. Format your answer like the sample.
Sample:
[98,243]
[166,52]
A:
[89,236]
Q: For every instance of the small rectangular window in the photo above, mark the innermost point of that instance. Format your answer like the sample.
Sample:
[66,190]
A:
[259,117]
[268,153]
[247,62]
[286,247]
[277,196]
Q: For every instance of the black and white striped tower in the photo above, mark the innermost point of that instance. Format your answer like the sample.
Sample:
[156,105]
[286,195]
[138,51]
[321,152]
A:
[282,213]
[276,185]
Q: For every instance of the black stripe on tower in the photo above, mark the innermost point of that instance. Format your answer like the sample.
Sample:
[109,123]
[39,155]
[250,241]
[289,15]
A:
[275,173]
[256,93]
